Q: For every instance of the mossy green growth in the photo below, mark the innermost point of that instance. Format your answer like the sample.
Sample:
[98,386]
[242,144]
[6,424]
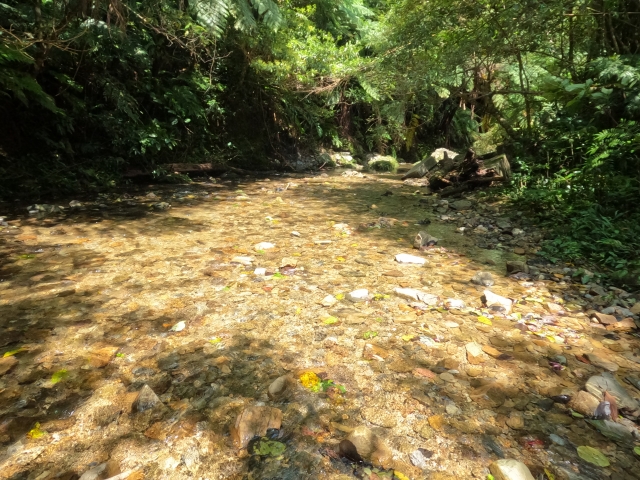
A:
[381,163]
[268,448]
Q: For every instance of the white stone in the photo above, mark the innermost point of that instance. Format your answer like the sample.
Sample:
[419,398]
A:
[413,294]
[454,303]
[264,246]
[242,260]
[295,234]
[509,469]
[474,349]
[329,301]
[412,259]
[359,295]
[517,231]
[495,299]
[260,271]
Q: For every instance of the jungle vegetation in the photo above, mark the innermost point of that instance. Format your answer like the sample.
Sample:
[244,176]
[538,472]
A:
[92,88]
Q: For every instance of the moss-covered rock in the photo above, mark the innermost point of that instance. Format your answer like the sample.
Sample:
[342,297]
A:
[382,163]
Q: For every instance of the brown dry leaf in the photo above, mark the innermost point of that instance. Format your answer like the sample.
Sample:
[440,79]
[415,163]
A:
[614,406]
[425,372]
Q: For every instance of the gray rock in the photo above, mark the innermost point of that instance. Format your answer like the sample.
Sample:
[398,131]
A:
[418,459]
[517,267]
[616,432]
[557,440]
[461,204]
[601,362]
[483,278]
[145,400]
[598,384]
[278,387]
[509,469]
[423,239]
[420,169]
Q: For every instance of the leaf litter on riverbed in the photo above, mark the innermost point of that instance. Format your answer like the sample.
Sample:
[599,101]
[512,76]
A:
[135,275]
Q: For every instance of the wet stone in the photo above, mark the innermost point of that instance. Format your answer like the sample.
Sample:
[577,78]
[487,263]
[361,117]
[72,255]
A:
[509,469]
[598,384]
[600,361]
[145,400]
[254,422]
[584,403]
[483,278]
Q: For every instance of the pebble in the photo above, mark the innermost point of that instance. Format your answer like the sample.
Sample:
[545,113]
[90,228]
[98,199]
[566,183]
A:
[418,295]
[598,384]
[410,259]
[601,362]
[509,469]
[491,299]
[264,246]
[418,459]
[557,440]
[359,295]
[145,400]
[242,260]
[483,278]
[254,421]
[447,377]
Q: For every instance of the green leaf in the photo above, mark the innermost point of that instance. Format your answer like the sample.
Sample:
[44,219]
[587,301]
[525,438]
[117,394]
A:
[59,376]
[11,353]
[278,275]
[593,455]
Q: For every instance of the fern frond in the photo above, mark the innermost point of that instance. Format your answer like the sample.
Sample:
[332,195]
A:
[245,19]
[213,14]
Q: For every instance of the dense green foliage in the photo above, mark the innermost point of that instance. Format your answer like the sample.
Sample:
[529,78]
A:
[91,89]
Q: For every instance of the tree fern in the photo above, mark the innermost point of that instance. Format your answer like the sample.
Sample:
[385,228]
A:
[215,14]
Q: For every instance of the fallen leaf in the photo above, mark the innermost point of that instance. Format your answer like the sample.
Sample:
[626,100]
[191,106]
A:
[13,352]
[35,432]
[593,455]
[485,320]
[330,320]
[425,372]
[59,376]
[612,404]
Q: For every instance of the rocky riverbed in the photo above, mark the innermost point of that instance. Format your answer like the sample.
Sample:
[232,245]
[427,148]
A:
[302,327]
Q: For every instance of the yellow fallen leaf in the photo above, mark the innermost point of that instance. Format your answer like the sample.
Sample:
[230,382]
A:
[400,475]
[330,320]
[340,259]
[298,310]
[485,320]
[340,296]
[309,379]
[35,432]
[407,338]
[13,352]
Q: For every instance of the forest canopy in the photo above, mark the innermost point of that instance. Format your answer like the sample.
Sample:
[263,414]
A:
[92,88]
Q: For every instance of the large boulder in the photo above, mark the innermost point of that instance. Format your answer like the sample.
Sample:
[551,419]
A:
[422,168]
